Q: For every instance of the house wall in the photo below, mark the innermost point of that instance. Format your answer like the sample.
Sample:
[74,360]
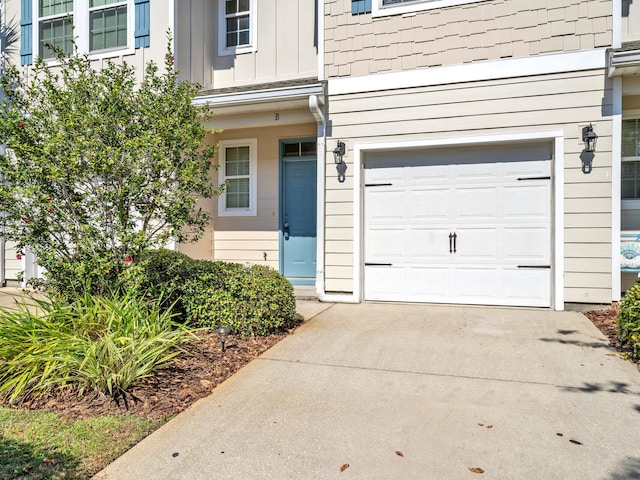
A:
[630,21]
[285,45]
[486,30]
[564,102]
[160,18]
[247,239]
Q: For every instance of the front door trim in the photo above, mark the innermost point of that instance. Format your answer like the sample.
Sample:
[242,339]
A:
[281,242]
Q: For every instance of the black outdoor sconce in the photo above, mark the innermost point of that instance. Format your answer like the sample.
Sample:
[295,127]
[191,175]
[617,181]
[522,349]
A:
[589,138]
[341,167]
[339,152]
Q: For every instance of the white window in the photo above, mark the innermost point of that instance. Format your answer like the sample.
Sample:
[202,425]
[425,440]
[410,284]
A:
[100,27]
[394,7]
[236,30]
[238,170]
[630,163]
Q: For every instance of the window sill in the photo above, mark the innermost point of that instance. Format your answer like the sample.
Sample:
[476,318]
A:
[379,11]
[236,51]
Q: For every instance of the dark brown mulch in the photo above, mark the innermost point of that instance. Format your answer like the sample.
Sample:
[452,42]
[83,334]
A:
[606,321]
[192,375]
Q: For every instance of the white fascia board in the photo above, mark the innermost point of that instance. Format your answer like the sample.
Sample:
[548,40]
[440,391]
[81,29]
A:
[259,96]
[472,72]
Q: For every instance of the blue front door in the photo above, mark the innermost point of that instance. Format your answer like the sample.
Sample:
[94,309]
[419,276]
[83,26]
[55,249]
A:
[298,212]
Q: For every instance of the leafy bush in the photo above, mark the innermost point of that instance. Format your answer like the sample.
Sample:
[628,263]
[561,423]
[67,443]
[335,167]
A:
[253,300]
[629,319]
[100,343]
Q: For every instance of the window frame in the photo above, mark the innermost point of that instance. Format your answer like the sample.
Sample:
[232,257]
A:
[252,210]
[629,203]
[223,50]
[81,22]
[411,6]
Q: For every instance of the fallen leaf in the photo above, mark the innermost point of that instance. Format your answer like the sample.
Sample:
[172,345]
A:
[489,426]
[559,434]
[612,354]
[49,460]
[399,453]
[481,424]
[344,467]
[476,470]
[573,440]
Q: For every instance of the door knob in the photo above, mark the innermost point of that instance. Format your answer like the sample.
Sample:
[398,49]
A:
[285,231]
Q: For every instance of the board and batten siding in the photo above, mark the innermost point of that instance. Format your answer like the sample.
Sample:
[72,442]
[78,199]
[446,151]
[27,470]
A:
[487,30]
[246,239]
[285,45]
[553,102]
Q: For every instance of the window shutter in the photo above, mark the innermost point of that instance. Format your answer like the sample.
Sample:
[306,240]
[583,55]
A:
[26,38]
[359,7]
[141,32]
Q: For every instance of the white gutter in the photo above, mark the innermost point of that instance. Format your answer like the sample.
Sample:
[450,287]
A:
[255,96]
[317,111]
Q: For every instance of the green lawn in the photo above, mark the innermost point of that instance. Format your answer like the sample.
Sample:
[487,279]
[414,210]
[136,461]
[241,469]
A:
[42,445]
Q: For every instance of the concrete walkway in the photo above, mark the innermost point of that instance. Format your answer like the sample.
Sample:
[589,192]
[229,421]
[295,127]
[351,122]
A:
[384,391]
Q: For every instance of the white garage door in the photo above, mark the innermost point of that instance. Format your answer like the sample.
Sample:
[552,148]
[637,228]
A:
[466,225]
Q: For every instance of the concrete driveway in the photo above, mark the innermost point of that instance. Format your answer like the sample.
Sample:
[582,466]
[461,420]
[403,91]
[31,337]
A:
[384,391]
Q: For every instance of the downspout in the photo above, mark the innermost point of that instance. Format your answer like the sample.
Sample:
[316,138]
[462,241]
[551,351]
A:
[318,114]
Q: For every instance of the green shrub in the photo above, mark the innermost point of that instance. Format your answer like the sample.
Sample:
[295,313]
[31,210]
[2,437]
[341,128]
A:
[99,343]
[629,319]
[253,300]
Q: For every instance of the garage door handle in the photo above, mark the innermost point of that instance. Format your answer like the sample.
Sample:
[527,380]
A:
[377,264]
[450,242]
[534,266]
[455,238]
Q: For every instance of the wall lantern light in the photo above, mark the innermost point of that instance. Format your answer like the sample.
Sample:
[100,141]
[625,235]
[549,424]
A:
[589,138]
[339,152]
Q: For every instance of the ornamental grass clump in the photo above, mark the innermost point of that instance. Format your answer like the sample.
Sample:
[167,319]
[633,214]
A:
[629,319]
[98,343]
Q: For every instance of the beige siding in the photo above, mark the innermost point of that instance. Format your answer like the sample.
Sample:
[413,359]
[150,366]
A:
[562,102]
[486,30]
[249,239]
[285,45]
[13,266]
[630,21]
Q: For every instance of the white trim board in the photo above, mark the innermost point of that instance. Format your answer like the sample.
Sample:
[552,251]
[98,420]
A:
[557,136]
[471,72]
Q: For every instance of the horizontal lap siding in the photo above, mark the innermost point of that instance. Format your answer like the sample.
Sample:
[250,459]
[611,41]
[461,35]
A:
[489,30]
[248,239]
[562,102]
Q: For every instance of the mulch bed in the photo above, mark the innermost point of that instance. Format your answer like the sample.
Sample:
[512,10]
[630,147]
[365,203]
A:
[196,372]
[191,375]
[606,321]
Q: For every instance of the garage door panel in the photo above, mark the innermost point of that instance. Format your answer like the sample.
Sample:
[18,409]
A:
[476,203]
[527,169]
[384,245]
[527,245]
[476,243]
[430,282]
[383,205]
[386,283]
[528,286]
[474,283]
[526,201]
[429,204]
[428,244]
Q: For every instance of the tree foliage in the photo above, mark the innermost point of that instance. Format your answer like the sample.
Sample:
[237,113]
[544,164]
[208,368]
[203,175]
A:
[100,166]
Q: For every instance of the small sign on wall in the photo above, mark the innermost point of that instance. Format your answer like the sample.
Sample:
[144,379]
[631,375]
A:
[630,252]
